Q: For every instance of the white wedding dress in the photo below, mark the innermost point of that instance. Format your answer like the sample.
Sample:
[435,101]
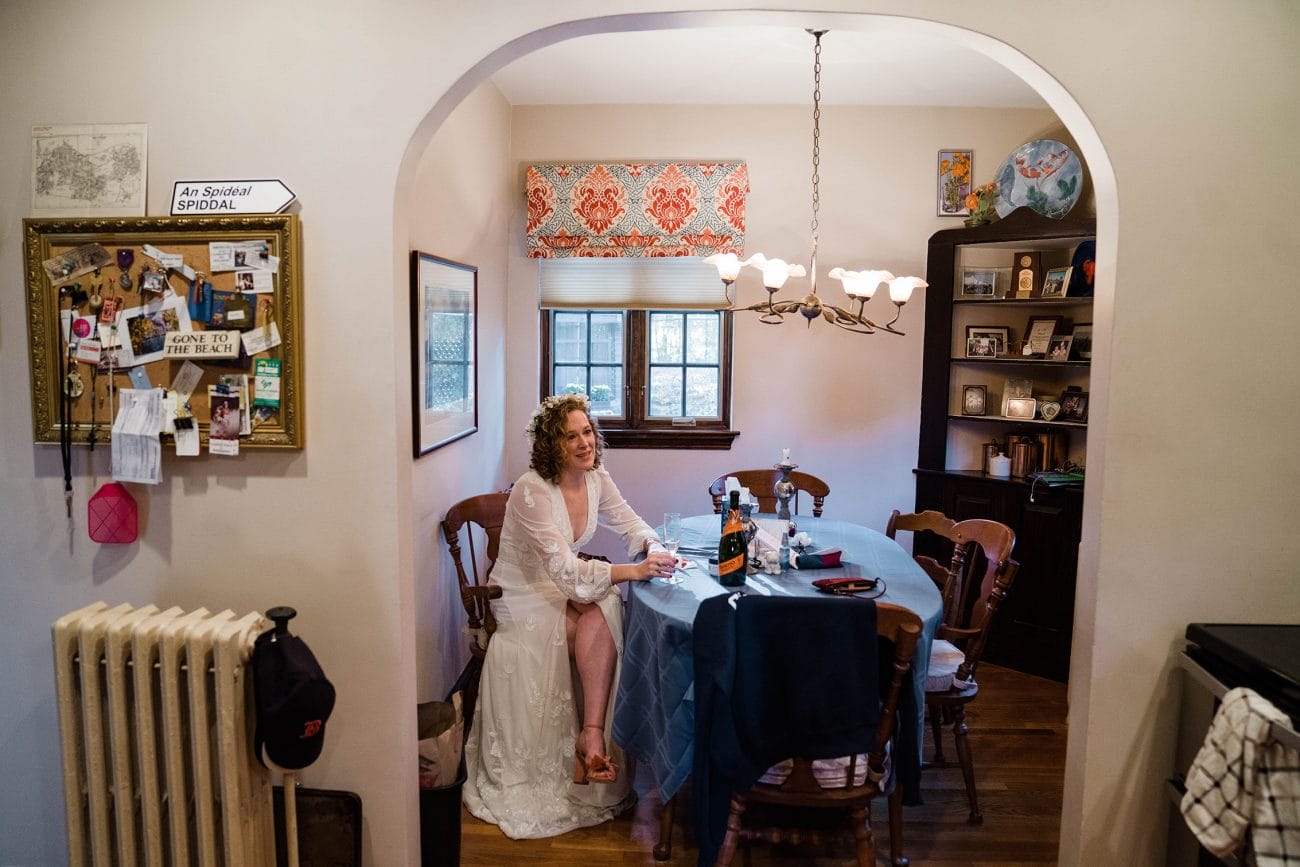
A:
[519,757]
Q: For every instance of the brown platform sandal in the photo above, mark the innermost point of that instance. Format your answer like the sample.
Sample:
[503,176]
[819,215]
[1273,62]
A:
[593,768]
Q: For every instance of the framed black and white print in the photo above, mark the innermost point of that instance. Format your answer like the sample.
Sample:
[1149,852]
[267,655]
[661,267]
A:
[444,351]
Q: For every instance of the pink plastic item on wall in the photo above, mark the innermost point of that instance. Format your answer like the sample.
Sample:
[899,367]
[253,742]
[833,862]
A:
[111,515]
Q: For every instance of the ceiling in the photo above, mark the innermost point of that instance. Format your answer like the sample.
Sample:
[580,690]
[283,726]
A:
[760,66]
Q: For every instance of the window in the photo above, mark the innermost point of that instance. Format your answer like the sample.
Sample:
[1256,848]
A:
[656,378]
[645,339]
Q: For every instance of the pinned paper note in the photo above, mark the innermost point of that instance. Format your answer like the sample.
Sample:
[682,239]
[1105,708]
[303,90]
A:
[256,341]
[137,451]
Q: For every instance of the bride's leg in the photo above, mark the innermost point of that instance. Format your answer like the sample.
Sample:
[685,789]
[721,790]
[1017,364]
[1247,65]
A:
[592,648]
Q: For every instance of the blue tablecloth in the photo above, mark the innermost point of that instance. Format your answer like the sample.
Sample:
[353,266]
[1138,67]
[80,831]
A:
[654,713]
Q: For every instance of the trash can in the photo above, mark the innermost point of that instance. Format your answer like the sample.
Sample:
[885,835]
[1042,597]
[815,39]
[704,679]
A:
[441,731]
[440,824]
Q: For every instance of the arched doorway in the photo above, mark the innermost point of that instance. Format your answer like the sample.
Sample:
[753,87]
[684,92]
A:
[1071,114]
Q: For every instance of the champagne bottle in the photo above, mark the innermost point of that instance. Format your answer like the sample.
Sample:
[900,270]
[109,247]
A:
[732,547]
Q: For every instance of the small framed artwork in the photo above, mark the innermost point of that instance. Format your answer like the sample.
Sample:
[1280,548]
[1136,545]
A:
[979,282]
[1048,410]
[954,182]
[1039,332]
[444,351]
[1022,407]
[1001,334]
[1074,405]
[974,400]
[1081,346]
[1055,282]
[1058,348]
[981,347]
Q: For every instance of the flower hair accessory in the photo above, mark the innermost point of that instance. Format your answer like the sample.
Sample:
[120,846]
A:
[548,405]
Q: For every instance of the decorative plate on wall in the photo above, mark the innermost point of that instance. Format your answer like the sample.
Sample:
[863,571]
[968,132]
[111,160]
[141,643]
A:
[1043,174]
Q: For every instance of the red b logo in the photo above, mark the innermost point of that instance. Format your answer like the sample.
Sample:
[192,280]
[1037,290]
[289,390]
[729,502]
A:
[310,729]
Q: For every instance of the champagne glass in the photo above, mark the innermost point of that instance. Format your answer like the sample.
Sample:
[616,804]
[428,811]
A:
[671,536]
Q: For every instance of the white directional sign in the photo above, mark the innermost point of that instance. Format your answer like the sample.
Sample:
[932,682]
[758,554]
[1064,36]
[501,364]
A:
[230,197]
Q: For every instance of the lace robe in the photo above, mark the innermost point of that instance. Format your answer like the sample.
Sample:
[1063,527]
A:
[519,757]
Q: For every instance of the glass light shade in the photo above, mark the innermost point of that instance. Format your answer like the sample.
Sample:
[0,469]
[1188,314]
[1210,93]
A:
[860,284]
[775,271]
[900,288]
[728,265]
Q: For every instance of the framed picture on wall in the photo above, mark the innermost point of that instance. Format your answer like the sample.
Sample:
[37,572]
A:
[444,351]
[954,182]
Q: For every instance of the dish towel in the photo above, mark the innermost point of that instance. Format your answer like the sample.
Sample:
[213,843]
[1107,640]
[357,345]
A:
[1243,780]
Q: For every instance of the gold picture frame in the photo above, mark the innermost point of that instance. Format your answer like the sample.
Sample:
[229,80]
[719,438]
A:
[48,297]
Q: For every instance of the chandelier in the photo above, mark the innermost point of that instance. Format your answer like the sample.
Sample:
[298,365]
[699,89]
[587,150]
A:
[860,286]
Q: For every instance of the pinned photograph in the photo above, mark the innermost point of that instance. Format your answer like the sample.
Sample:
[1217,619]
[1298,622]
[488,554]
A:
[225,421]
[145,328]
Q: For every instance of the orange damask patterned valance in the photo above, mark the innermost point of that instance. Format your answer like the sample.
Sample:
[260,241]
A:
[636,209]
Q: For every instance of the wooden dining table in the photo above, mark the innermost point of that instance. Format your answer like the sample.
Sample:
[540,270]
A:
[654,711]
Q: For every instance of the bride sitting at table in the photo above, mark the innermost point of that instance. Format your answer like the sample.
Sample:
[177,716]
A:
[537,763]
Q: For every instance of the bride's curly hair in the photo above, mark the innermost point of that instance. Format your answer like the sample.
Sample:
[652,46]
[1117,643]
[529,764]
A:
[547,430]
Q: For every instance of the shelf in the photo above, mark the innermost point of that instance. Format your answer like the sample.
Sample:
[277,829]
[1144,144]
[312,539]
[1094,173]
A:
[1025,422]
[1032,362]
[1000,480]
[1026,302]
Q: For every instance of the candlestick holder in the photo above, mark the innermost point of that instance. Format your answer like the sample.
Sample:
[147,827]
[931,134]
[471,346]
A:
[784,490]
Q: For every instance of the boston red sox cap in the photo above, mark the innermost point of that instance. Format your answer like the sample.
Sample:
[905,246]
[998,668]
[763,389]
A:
[293,699]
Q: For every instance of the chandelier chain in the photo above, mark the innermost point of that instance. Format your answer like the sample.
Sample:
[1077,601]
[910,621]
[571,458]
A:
[816,145]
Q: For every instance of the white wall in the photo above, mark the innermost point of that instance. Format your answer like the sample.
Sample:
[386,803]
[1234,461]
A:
[846,405]
[1192,110]
[461,205]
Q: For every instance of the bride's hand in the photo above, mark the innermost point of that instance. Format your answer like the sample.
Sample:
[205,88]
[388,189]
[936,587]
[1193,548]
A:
[656,565]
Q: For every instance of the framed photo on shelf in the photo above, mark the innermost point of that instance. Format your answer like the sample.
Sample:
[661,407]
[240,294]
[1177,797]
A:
[979,282]
[955,168]
[1039,332]
[1056,281]
[1013,388]
[1021,407]
[974,400]
[444,351]
[999,333]
[1074,405]
[1081,345]
[981,347]
[1058,349]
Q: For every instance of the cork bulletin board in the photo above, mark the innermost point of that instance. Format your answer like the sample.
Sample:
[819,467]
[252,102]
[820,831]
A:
[239,277]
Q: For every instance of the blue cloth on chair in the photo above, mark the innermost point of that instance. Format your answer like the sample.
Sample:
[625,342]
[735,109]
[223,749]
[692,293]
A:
[774,678]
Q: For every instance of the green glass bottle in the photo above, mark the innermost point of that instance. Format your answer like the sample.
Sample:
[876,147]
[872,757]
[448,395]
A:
[732,549]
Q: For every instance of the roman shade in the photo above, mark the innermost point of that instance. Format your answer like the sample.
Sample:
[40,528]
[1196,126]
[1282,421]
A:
[635,210]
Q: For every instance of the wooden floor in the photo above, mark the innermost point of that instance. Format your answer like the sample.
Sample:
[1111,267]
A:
[1018,740]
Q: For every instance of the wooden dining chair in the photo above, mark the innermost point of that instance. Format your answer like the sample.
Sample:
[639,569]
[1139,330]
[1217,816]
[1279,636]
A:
[848,784]
[974,585]
[762,484]
[480,518]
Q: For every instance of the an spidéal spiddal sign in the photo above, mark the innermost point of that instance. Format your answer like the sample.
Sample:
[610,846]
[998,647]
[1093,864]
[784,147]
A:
[206,198]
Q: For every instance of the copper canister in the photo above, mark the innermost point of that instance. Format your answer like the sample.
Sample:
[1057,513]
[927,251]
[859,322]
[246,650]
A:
[1024,456]
[1053,449]
[991,449]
